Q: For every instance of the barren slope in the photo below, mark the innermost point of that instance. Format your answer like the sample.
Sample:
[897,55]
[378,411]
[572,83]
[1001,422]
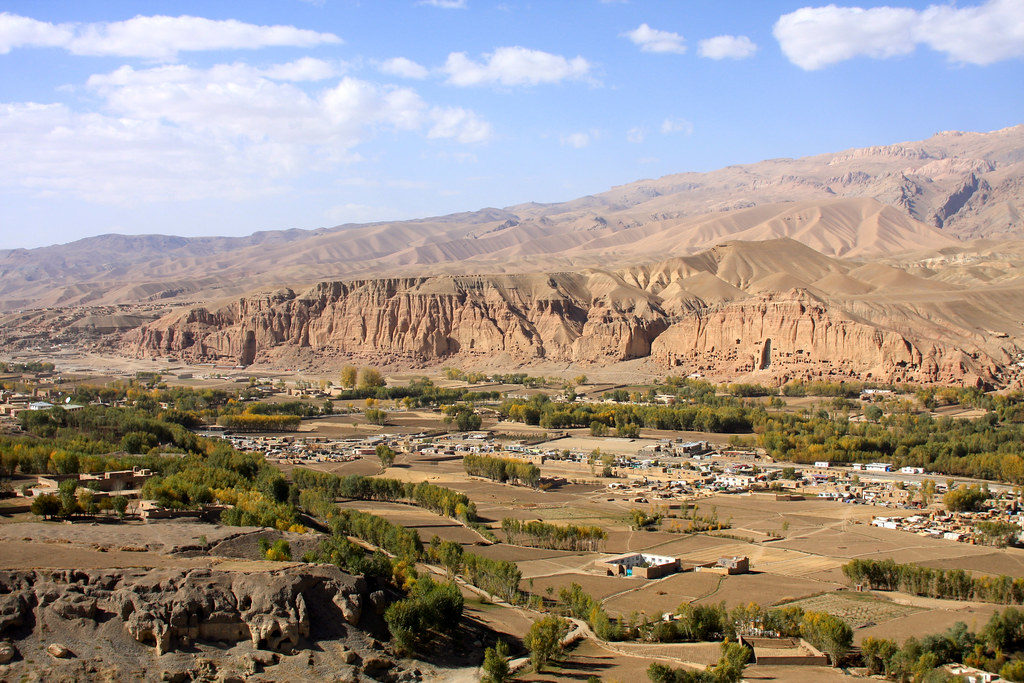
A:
[863,202]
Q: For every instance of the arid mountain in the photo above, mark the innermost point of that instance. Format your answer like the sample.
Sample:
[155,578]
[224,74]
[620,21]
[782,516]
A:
[771,310]
[870,202]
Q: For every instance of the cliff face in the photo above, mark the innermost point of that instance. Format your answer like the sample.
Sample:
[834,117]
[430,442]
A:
[798,337]
[419,318]
[566,317]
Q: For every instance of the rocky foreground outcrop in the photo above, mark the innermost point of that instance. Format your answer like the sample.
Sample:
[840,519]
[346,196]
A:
[712,328]
[171,609]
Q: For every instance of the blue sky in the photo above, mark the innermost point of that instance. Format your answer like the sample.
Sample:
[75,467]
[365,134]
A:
[208,118]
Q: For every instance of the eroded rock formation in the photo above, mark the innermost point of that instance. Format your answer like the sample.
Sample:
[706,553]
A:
[561,316]
[686,324]
[170,609]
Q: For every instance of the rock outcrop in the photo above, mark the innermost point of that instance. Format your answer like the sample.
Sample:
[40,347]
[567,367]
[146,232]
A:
[170,609]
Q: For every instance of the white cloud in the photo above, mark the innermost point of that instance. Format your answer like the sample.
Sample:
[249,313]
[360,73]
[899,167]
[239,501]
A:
[458,124]
[980,35]
[18,31]
[636,135]
[153,37]
[727,47]
[576,140]
[652,40]
[512,66]
[404,68]
[670,126]
[816,37]
[444,4]
[305,69]
[177,132]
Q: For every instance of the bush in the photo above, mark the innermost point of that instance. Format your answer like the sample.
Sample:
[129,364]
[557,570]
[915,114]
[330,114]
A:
[46,506]
[496,669]
[430,609]
[965,498]
[544,640]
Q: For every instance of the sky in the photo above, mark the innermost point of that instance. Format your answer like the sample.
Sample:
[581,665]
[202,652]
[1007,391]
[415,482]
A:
[227,118]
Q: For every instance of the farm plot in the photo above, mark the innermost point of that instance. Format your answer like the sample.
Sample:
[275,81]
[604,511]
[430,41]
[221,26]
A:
[866,541]
[685,545]
[923,622]
[423,521]
[1009,562]
[764,589]
[599,587]
[662,595]
[859,610]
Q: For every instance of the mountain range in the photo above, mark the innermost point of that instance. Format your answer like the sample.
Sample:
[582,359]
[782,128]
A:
[900,262]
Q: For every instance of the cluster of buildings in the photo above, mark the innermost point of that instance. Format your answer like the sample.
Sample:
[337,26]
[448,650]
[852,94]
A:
[954,526]
[294,449]
[648,566]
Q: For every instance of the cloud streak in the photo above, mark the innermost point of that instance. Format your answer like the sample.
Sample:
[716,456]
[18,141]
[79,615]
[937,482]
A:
[153,37]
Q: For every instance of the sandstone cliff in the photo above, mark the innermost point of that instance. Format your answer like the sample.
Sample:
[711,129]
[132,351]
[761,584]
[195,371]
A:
[775,310]
[562,316]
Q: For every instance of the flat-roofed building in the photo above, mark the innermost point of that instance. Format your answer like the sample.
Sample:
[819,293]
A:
[641,565]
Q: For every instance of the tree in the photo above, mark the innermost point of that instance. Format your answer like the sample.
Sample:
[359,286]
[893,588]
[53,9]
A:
[375,416]
[873,413]
[68,500]
[828,633]
[877,654]
[370,378]
[544,640]
[607,460]
[348,376]
[964,498]
[580,379]
[46,506]
[448,554]
[87,501]
[496,669]
[1013,671]
[386,455]
[729,668]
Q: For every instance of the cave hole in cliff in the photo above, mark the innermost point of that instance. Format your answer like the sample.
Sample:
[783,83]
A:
[766,355]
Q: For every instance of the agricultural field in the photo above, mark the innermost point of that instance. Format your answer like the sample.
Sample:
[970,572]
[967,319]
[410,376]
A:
[859,610]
